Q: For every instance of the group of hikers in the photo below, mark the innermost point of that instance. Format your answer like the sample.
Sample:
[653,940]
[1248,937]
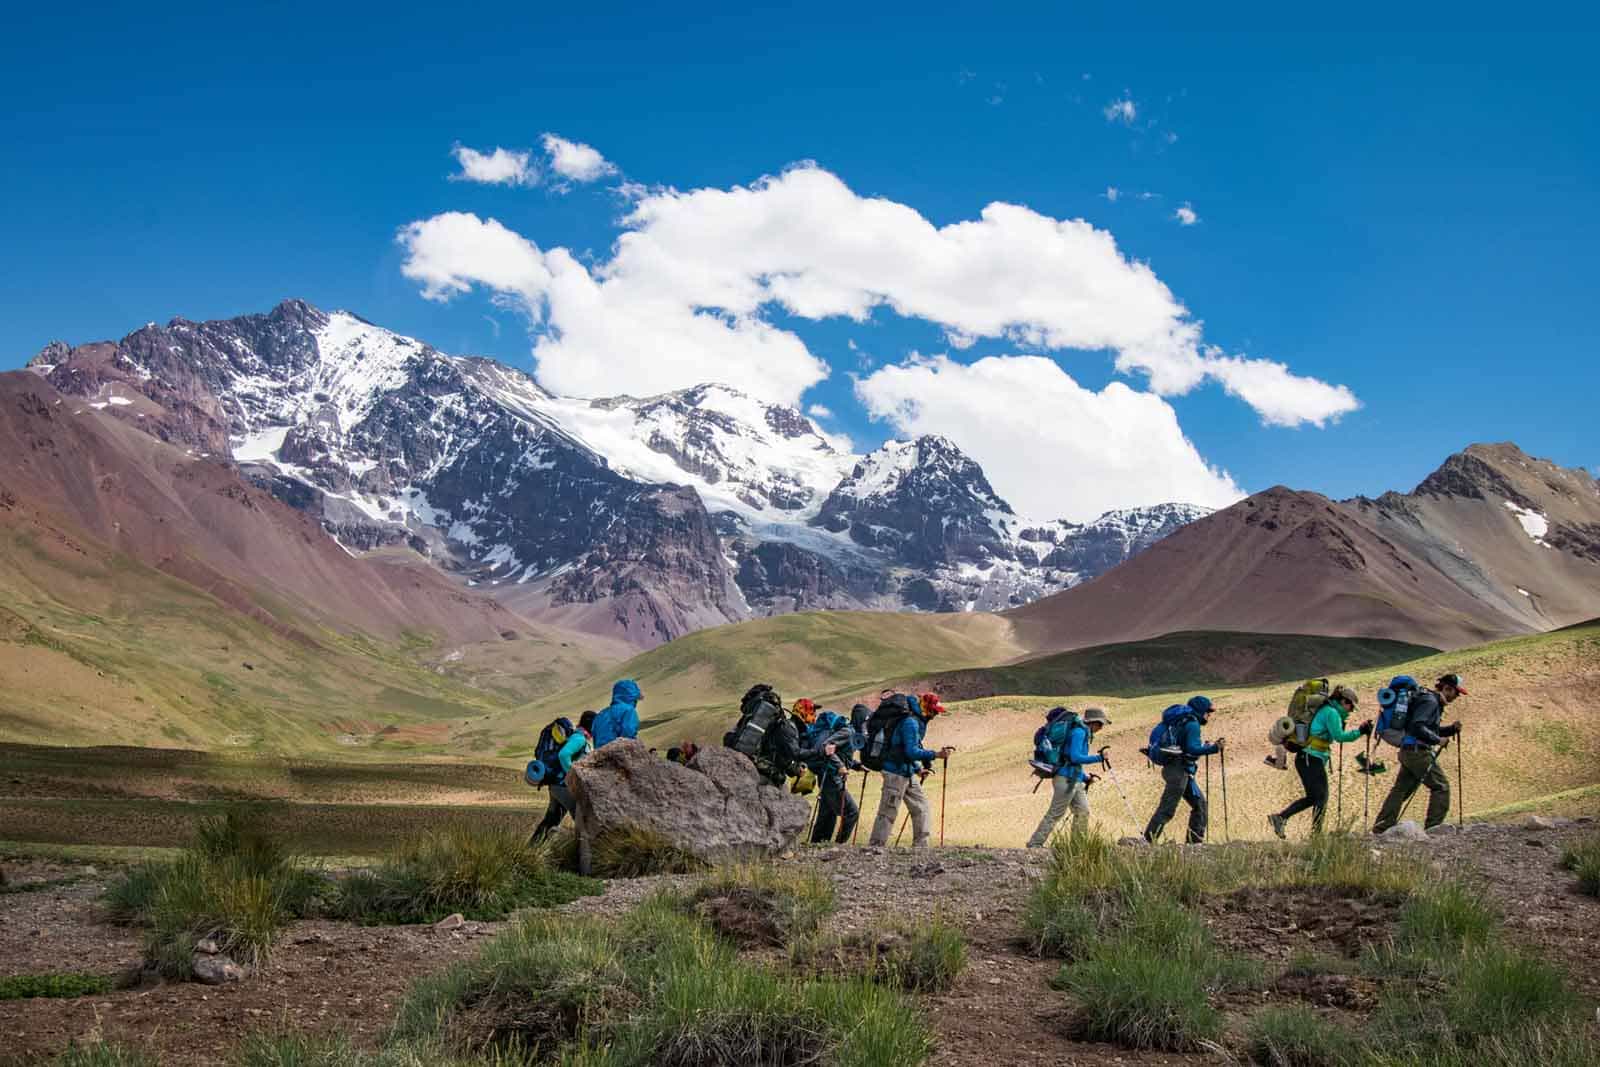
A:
[811,748]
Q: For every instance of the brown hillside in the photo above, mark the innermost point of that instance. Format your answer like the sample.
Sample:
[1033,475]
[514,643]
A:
[78,483]
[1455,563]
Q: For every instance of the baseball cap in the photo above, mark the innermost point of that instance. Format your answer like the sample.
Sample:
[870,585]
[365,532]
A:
[1454,680]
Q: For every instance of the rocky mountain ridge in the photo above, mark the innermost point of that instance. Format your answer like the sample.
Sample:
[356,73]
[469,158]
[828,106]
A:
[648,517]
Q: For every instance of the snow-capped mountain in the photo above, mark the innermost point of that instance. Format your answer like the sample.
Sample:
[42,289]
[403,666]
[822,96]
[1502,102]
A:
[652,516]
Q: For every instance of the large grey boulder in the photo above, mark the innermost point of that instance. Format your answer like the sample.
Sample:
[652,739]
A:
[717,808]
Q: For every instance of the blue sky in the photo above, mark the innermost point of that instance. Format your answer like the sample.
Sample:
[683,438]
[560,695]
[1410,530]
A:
[1410,214]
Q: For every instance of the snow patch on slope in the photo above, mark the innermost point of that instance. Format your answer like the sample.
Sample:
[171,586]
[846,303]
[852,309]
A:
[1534,523]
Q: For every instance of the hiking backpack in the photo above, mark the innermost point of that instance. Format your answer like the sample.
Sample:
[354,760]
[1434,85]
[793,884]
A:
[882,726]
[1303,707]
[757,712]
[1047,758]
[1394,703]
[545,767]
[1166,747]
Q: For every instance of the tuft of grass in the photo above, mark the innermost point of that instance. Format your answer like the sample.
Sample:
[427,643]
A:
[928,959]
[1498,991]
[483,873]
[1584,860]
[635,852]
[1139,998]
[100,1053]
[235,884]
[1445,920]
[658,986]
[1295,1036]
[1571,1044]
[763,902]
[27,986]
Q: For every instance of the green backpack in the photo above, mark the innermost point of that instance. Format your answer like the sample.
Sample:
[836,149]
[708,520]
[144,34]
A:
[1303,708]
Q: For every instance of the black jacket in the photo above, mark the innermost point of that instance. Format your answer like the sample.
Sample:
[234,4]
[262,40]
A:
[1422,718]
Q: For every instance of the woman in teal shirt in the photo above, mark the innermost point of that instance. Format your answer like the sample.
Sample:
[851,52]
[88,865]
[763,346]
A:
[1311,762]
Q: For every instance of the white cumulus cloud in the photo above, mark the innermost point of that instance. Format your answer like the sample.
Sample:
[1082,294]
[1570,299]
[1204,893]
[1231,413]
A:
[1050,447]
[576,162]
[1279,397]
[819,411]
[1123,110]
[500,167]
[692,279]
[1186,215]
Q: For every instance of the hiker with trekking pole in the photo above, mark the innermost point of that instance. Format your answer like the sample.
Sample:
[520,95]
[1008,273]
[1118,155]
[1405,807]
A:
[1312,748]
[1061,753]
[1176,747]
[828,748]
[1412,723]
[894,748]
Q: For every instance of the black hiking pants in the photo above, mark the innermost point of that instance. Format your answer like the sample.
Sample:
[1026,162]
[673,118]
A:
[1313,774]
[835,804]
[561,803]
[1179,785]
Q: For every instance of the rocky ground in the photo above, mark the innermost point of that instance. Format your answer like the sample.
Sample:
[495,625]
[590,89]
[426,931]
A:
[337,977]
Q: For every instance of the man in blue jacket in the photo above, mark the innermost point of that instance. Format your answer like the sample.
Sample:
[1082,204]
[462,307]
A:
[621,718]
[902,775]
[1182,749]
[1069,741]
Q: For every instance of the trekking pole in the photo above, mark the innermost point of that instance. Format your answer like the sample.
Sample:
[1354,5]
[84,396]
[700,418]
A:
[812,825]
[1339,818]
[901,835]
[1222,756]
[1366,790]
[1115,781]
[860,807]
[1461,788]
[944,789]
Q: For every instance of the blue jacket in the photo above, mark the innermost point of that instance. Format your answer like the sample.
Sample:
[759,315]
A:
[1072,745]
[621,719]
[1193,746]
[905,750]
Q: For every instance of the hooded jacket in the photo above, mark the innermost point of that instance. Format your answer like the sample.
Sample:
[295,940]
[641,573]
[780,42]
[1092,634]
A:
[621,718]
[905,751]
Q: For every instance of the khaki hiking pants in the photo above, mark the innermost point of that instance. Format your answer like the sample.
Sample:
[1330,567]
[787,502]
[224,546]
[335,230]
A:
[1064,794]
[1417,767]
[896,787]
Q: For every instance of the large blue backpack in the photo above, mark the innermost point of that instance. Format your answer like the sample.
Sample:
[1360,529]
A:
[1394,704]
[1167,736]
[545,767]
[827,722]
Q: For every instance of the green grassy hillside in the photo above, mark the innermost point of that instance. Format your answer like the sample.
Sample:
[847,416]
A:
[101,649]
[691,683]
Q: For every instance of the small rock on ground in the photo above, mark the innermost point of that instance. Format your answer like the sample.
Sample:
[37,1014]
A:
[216,970]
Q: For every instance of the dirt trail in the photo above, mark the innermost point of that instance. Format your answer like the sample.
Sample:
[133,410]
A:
[333,977]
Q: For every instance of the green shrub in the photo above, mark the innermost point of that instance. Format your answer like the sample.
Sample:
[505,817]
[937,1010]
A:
[481,873]
[1584,859]
[127,899]
[634,852]
[928,959]
[1497,991]
[1296,1036]
[235,884]
[657,986]
[103,1054]
[760,902]
[26,986]
[1443,921]
[1139,997]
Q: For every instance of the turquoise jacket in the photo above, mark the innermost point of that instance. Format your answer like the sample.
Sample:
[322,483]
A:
[1327,727]
[577,746]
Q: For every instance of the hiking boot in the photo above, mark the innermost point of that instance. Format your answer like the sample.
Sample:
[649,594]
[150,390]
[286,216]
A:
[1276,822]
